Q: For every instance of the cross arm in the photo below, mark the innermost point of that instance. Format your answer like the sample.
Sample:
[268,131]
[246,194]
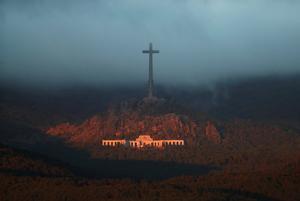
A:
[152,51]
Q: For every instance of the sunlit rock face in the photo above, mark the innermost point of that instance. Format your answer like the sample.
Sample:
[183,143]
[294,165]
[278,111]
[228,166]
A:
[167,125]
[128,125]
[83,134]
[128,120]
[212,133]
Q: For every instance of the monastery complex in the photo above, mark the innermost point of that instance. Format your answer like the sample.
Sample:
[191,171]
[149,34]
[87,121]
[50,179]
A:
[143,141]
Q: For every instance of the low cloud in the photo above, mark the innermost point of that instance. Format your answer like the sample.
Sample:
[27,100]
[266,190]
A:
[46,42]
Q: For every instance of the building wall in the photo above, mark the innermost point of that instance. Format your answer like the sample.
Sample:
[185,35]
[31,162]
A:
[113,142]
[143,141]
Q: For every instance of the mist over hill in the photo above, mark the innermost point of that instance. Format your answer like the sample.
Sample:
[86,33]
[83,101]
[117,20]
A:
[264,98]
[55,43]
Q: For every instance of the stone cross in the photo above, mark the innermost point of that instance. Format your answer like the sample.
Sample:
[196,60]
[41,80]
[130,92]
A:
[150,79]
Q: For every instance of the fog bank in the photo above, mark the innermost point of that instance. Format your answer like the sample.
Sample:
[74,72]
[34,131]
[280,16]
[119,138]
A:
[58,42]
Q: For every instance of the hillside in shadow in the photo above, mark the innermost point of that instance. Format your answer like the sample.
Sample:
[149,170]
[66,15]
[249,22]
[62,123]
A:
[80,161]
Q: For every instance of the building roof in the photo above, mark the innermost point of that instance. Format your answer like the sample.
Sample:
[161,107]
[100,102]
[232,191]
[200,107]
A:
[144,138]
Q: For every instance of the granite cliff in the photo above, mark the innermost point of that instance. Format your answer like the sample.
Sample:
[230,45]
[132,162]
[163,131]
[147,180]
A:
[127,125]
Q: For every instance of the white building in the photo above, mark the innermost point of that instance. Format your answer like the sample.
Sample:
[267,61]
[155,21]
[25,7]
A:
[143,141]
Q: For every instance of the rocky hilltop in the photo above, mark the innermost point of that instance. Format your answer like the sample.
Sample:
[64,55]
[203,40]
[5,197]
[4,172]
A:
[130,119]
[127,125]
[212,133]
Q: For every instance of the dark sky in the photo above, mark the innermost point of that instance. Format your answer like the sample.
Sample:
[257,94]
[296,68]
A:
[54,42]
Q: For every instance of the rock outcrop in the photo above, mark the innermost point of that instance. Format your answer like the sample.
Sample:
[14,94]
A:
[212,133]
[126,125]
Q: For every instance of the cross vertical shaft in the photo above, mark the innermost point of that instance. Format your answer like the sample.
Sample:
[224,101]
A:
[150,78]
[150,75]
